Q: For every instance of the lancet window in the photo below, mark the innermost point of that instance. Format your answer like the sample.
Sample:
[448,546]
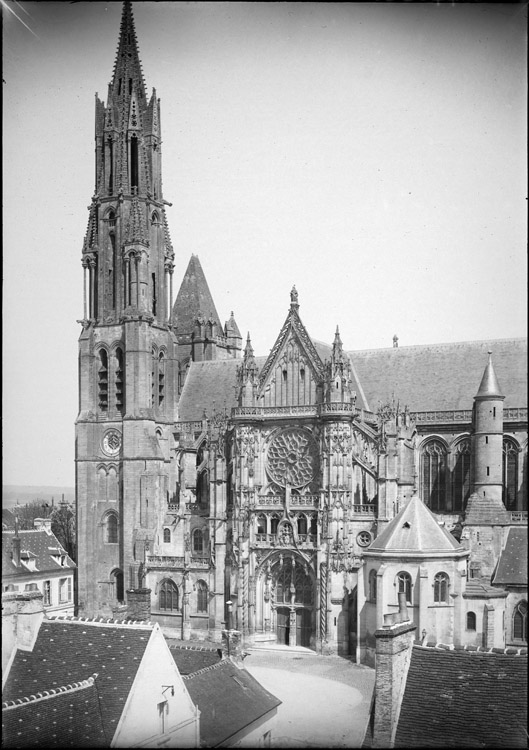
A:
[510,473]
[433,475]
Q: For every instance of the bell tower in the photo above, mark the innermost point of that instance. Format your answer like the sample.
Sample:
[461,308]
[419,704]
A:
[127,347]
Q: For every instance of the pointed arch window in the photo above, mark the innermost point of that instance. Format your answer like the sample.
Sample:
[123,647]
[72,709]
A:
[261,525]
[119,381]
[461,475]
[161,379]
[198,542]
[168,596]
[167,536]
[519,622]
[433,475]
[202,596]
[293,585]
[404,585]
[510,473]
[441,584]
[274,523]
[302,525]
[111,528]
[102,380]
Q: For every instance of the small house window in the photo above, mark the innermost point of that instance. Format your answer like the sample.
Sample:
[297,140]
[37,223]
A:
[47,593]
[167,536]
[471,620]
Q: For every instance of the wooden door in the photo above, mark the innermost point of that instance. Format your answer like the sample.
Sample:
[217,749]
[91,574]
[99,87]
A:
[283,625]
[303,627]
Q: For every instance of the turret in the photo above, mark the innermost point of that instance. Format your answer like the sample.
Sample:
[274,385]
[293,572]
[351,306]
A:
[338,375]
[487,438]
[248,376]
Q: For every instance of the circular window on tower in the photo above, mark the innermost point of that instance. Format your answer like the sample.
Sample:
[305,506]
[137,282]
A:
[111,443]
[364,539]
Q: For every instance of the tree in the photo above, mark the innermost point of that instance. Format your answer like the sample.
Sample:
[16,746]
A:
[26,514]
[63,526]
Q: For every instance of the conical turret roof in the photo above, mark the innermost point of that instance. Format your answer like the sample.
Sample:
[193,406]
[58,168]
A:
[194,299]
[414,531]
[489,387]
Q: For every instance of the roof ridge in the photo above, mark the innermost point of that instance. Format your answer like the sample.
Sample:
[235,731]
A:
[211,649]
[219,664]
[471,649]
[52,693]
[440,343]
[102,622]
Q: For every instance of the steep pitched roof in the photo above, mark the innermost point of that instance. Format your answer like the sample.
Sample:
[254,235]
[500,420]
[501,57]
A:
[464,699]
[71,650]
[65,717]
[414,530]
[512,565]
[193,298]
[210,385]
[191,659]
[229,700]
[40,547]
[441,376]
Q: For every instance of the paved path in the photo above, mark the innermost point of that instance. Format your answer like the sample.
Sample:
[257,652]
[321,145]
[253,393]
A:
[325,699]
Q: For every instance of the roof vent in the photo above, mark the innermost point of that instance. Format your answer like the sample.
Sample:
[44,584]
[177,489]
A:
[406,525]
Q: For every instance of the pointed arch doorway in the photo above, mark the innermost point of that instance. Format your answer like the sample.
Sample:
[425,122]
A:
[293,599]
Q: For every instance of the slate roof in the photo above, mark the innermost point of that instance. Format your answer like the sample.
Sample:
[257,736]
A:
[210,385]
[40,545]
[414,530]
[36,722]
[512,565]
[464,699]
[191,659]
[68,651]
[480,588]
[229,700]
[194,297]
[424,378]
[441,376]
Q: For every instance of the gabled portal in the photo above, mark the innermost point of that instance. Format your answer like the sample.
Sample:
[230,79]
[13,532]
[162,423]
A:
[293,373]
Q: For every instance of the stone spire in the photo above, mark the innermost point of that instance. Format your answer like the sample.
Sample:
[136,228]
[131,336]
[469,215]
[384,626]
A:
[128,75]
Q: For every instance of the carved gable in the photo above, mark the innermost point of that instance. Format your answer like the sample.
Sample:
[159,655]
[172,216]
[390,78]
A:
[293,373]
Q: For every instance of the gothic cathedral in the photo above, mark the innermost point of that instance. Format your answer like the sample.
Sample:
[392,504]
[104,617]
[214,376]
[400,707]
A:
[294,496]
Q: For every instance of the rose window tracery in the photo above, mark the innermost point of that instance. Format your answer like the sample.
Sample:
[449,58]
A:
[291,458]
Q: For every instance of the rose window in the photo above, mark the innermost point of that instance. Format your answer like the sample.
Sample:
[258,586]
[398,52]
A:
[292,458]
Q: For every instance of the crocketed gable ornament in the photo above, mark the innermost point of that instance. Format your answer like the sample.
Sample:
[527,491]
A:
[292,458]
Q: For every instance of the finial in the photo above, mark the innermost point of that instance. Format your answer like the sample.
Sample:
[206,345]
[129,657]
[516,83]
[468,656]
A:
[294,297]
[395,341]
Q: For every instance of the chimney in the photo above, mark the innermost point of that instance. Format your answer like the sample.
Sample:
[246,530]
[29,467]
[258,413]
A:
[394,643]
[22,615]
[43,524]
[15,546]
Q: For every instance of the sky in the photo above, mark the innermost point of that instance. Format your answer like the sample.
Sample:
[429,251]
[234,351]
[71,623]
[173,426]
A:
[374,155]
